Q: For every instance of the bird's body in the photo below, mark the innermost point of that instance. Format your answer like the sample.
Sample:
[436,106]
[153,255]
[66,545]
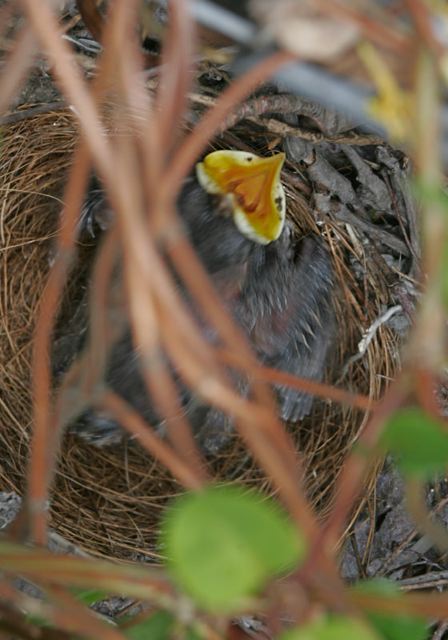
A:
[279,293]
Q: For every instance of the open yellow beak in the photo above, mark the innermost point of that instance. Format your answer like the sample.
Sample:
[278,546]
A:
[253,186]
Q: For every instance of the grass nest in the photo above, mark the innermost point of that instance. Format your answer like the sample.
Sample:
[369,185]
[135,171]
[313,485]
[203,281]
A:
[109,501]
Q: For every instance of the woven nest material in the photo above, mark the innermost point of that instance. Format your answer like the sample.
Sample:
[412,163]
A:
[109,501]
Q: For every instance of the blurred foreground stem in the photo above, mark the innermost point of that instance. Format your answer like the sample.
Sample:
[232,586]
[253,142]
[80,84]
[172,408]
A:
[426,348]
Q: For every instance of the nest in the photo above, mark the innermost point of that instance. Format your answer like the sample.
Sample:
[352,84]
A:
[109,501]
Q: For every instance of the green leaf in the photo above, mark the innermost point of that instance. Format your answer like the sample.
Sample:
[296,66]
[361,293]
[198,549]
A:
[38,620]
[90,596]
[158,627]
[223,544]
[435,196]
[390,627]
[377,587]
[399,627]
[431,193]
[419,442]
[192,634]
[333,628]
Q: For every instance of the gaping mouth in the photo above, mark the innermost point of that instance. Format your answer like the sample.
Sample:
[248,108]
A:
[254,188]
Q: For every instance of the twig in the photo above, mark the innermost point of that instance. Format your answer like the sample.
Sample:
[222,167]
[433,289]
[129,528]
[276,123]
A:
[352,137]
[423,23]
[429,605]
[190,477]
[92,17]
[416,504]
[430,580]
[30,112]
[368,336]
[370,333]
[439,633]
[319,389]
[408,539]
[16,66]
[373,231]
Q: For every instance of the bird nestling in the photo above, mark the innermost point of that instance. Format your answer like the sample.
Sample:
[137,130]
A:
[277,286]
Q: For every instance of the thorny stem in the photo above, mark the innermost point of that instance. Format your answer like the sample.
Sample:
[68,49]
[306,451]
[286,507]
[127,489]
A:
[189,476]
[430,321]
[318,389]
[41,466]
[16,66]
[431,605]
[45,443]
[211,122]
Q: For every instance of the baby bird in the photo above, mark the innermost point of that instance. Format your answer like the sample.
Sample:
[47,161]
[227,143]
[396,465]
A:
[277,286]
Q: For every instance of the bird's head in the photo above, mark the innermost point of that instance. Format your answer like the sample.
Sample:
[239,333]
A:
[253,188]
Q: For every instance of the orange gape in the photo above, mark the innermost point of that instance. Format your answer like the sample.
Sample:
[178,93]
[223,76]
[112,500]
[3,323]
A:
[254,188]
